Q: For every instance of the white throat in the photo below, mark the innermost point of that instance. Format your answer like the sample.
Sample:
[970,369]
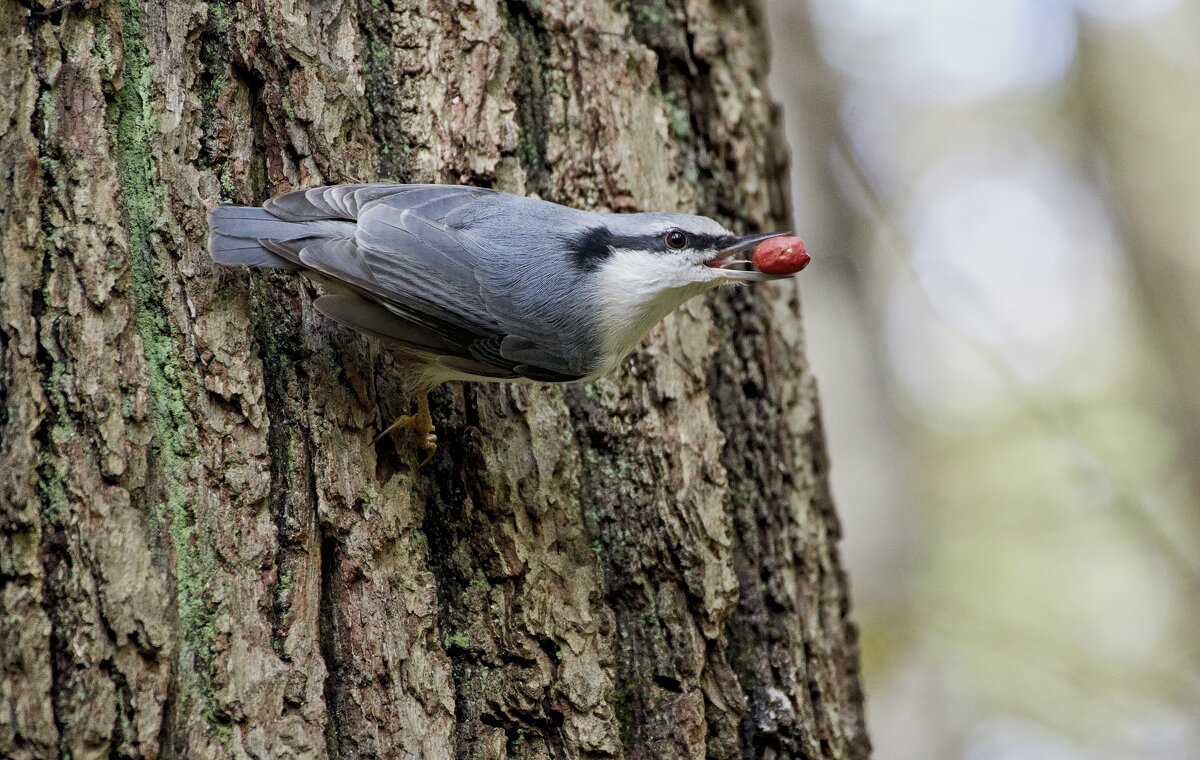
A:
[636,289]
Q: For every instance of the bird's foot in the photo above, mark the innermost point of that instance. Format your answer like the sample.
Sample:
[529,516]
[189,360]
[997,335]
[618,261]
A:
[421,425]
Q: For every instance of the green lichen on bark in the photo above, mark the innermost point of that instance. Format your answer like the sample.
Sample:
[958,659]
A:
[382,82]
[531,75]
[170,504]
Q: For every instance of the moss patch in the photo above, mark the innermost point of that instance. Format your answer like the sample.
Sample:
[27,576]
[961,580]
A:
[532,82]
[383,89]
[133,128]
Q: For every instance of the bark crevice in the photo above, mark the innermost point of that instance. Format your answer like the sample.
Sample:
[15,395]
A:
[332,688]
[53,551]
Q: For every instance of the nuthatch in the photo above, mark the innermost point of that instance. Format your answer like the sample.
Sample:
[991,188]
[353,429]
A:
[476,284]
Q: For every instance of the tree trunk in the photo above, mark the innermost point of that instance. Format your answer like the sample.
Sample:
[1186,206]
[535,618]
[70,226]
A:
[202,552]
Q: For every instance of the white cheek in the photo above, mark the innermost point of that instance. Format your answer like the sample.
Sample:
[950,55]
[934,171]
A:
[637,289]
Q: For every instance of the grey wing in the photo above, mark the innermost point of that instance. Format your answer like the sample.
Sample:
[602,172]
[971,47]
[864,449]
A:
[410,275]
[348,201]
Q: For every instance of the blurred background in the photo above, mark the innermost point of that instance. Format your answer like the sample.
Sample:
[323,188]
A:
[1002,198]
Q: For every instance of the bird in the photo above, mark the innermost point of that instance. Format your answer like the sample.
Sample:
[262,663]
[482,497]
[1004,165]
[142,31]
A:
[476,284]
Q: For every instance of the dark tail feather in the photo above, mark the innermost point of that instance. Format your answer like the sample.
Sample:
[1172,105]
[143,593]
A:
[234,232]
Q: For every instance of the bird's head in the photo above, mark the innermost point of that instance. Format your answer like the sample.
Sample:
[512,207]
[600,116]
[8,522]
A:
[641,267]
[667,251]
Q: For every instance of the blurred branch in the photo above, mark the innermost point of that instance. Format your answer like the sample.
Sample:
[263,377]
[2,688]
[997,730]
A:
[1149,167]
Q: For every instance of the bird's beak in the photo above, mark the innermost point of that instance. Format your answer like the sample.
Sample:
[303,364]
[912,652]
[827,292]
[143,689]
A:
[738,254]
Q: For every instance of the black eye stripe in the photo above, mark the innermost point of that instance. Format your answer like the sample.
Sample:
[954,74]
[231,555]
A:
[590,248]
[701,241]
[707,242]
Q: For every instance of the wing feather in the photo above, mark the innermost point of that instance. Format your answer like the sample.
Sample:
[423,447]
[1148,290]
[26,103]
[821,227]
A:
[413,274]
[369,317]
[341,260]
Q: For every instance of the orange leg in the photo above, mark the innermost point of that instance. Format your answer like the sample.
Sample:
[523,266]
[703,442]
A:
[420,424]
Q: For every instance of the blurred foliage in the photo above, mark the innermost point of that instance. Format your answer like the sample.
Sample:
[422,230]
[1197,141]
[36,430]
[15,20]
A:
[1004,316]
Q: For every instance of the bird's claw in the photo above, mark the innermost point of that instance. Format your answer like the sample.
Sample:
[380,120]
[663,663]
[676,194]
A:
[421,425]
[429,445]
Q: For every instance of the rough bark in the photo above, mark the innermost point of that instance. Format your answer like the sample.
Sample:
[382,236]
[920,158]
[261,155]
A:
[202,552]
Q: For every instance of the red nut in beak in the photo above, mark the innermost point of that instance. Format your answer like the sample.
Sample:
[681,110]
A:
[781,255]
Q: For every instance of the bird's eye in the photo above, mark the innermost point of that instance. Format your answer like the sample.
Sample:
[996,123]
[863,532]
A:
[676,239]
